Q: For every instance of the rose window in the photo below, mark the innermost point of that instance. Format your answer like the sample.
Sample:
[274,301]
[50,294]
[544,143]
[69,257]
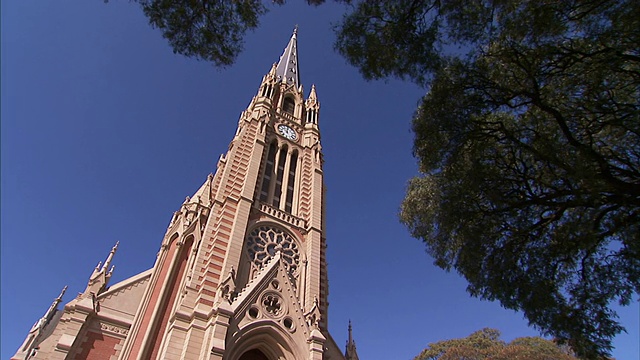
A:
[265,242]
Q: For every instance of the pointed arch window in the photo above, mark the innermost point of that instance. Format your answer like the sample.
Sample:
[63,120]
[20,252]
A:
[279,176]
[268,173]
[288,105]
[254,354]
[312,117]
[267,91]
[291,182]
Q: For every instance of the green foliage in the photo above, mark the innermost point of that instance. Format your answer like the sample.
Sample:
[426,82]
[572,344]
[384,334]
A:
[529,145]
[397,38]
[486,345]
[209,30]
[203,29]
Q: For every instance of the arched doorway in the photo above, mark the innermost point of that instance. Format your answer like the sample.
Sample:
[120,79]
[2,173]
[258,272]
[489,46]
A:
[253,354]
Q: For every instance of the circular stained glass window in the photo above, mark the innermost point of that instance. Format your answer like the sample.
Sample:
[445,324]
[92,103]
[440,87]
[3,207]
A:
[265,242]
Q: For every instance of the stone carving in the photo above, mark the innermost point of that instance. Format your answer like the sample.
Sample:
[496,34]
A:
[265,241]
[272,304]
[113,329]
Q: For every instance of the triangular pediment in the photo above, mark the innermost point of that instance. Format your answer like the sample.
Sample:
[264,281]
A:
[121,300]
[270,298]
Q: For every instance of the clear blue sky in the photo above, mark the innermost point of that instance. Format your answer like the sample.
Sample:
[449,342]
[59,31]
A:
[105,132]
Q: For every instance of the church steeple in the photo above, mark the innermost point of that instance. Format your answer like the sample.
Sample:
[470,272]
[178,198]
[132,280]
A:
[287,68]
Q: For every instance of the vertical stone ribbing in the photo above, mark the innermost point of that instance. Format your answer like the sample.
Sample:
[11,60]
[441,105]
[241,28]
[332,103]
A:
[218,232]
[173,286]
[146,318]
[305,185]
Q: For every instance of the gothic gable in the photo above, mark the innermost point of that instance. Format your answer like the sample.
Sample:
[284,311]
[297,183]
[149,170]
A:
[121,300]
[269,306]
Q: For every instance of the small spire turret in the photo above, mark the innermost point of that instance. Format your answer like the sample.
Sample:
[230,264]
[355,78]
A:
[350,352]
[107,262]
[272,72]
[29,346]
[52,309]
[101,274]
[313,108]
[313,96]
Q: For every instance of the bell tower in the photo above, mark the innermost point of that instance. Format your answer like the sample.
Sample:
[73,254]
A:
[241,272]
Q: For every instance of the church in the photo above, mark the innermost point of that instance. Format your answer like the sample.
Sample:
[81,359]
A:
[241,273]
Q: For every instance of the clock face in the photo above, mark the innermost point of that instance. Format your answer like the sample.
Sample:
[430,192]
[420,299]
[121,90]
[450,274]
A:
[287,132]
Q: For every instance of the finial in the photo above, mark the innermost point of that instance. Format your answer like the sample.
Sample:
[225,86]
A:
[64,289]
[350,352]
[107,262]
[295,30]
[312,94]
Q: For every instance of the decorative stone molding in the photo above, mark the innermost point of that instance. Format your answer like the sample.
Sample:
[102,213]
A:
[281,215]
[109,328]
[113,329]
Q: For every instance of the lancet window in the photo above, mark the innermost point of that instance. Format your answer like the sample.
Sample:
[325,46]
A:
[312,116]
[291,182]
[268,173]
[288,105]
[267,91]
[279,178]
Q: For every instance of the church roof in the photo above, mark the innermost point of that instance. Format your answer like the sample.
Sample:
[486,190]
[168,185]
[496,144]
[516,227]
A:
[287,68]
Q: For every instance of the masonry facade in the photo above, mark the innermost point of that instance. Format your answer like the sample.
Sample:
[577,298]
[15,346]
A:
[241,273]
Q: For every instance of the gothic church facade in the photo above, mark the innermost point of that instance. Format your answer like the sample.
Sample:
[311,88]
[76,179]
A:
[241,273]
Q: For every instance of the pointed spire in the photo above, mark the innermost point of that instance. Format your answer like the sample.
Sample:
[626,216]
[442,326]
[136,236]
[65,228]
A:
[273,70]
[101,274]
[350,352]
[107,262]
[48,315]
[204,195]
[313,95]
[28,348]
[350,332]
[287,68]
[55,303]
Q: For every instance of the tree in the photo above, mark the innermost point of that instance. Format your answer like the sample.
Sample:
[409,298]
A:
[485,344]
[205,29]
[528,141]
